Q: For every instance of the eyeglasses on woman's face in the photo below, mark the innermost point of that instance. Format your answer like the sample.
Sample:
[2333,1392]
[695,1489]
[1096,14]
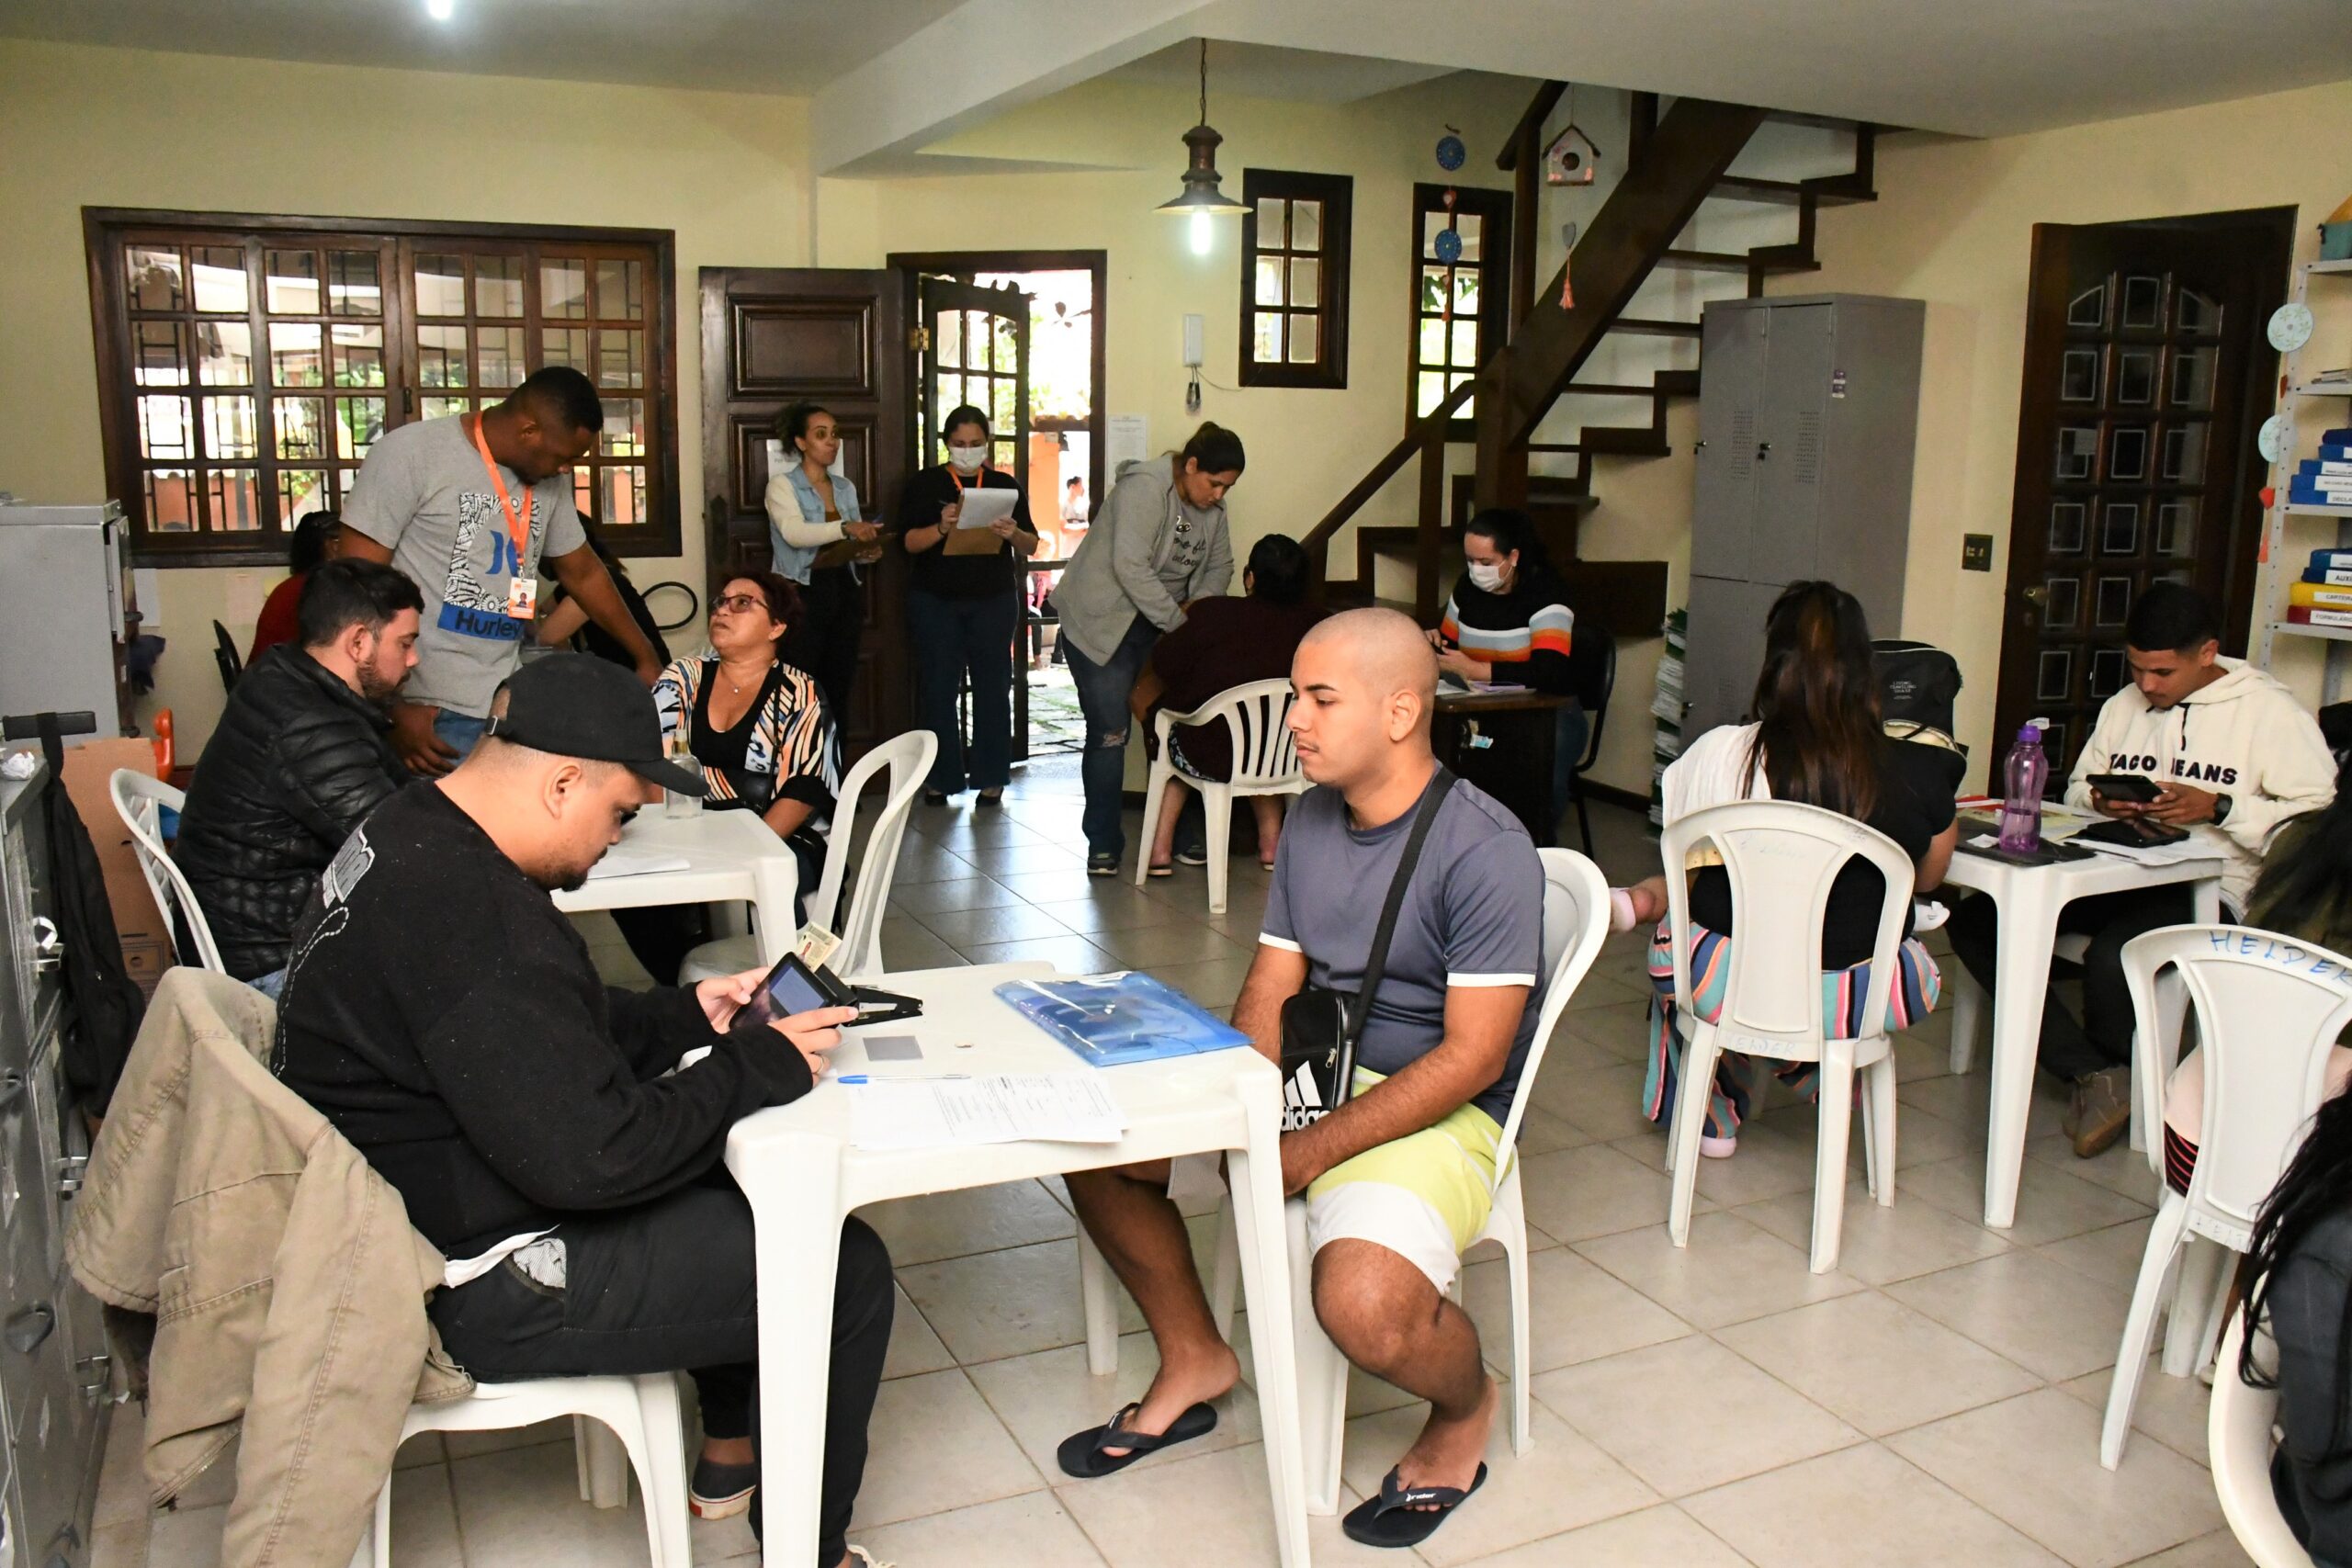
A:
[740,604]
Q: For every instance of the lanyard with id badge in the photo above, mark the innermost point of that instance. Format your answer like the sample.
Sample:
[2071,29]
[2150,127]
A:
[522,587]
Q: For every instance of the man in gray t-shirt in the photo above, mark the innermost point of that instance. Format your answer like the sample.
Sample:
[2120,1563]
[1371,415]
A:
[1399,1180]
[446,500]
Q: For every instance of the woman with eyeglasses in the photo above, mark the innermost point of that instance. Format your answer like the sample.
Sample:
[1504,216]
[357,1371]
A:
[764,736]
[964,605]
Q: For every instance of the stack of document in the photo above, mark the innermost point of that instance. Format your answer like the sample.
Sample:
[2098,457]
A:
[636,863]
[933,1113]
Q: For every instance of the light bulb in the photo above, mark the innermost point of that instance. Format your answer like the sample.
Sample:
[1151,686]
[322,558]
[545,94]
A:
[440,10]
[1202,233]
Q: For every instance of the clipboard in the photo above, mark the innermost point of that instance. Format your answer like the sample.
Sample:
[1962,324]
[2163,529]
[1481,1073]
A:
[972,536]
[844,552]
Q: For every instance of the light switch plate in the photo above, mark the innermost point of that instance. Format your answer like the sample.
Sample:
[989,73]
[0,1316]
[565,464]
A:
[1976,552]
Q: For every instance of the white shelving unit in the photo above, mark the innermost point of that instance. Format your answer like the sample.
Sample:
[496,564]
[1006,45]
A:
[2284,551]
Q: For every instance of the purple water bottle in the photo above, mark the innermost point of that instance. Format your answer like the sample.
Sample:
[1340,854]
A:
[2023,775]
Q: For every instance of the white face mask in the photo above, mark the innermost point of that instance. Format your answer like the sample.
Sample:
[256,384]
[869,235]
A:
[968,459]
[1486,576]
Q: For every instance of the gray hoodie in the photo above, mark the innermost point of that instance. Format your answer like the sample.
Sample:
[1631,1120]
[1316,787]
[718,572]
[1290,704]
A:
[1149,553]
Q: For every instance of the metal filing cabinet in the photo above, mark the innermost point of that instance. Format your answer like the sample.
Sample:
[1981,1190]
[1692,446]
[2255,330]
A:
[1808,416]
[54,1383]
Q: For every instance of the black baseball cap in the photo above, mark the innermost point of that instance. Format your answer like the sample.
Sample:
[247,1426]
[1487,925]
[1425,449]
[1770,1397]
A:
[576,704]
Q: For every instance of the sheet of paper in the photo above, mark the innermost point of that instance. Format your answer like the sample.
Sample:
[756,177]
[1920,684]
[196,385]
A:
[2148,855]
[979,508]
[930,1113]
[629,863]
[1127,440]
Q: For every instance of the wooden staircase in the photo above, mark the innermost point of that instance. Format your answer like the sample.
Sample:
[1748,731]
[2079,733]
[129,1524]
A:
[1674,164]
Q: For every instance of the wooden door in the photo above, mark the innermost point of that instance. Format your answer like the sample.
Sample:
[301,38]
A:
[2146,374]
[772,337]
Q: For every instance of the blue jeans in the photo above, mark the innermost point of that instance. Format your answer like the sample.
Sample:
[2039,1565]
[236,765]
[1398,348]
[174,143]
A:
[1567,749]
[272,985]
[1102,693]
[457,729]
[951,636]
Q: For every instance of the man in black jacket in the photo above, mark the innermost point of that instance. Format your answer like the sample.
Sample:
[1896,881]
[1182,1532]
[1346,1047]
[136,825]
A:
[302,753]
[449,1021]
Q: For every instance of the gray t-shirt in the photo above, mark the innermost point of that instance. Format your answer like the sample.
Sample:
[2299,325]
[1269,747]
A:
[423,494]
[1473,916]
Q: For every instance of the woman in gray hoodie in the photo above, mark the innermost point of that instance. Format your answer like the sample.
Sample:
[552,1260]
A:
[1159,543]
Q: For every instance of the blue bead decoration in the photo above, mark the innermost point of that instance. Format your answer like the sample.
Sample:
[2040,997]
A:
[1449,246]
[1450,154]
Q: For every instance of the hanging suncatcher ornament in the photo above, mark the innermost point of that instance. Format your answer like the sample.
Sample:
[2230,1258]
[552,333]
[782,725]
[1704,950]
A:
[1450,153]
[1448,244]
[1567,264]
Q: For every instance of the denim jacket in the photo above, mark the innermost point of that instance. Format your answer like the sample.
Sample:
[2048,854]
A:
[794,560]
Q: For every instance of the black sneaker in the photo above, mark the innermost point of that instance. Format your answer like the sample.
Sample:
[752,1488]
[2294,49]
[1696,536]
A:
[721,1491]
[1101,865]
[1193,854]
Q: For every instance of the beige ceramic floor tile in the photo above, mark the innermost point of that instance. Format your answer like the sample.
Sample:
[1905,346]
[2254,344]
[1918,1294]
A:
[122,1544]
[936,1445]
[1876,1363]
[424,1519]
[122,1483]
[1181,942]
[962,892]
[1602,991]
[965,928]
[2051,1204]
[1540,1133]
[914,1348]
[1878,1243]
[1577,1312]
[1027,1531]
[1045,1397]
[1769,1164]
[1007,1303]
[1603,1102]
[1113,907]
[1619,1027]
[522,1507]
[2112,1255]
[2171,1410]
[1562,1482]
[1861,1508]
[466,1445]
[1211,1509]
[2042,1315]
[1592,1191]
[1659,1537]
[2033,1461]
[1214,985]
[1072,955]
[975,1219]
[1730,1271]
[1666,1414]
[190,1538]
[2121,1170]
[2220,1550]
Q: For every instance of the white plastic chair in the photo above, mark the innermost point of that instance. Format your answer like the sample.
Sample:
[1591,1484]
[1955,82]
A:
[1575,918]
[136,798]
[2269,1008]
[642,1412]
[1782,858]
[2238,1442]
[1265,762]
[908,758]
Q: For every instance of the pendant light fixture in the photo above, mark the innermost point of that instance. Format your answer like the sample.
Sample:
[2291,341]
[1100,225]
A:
[1202,199]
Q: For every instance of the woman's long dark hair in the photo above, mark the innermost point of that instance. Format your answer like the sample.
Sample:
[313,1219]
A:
[2317,1187]
[1509,529]
[308,549]
[2308,893]
[1817,701]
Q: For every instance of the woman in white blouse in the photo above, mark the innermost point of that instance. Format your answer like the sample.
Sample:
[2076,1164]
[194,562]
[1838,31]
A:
[809,508]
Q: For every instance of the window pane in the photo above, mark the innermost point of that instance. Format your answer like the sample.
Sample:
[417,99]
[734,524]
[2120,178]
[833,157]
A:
[564,346]
[1305,225]
[2135,375]
[2119,529]
[1270,234]
[1002,414]
[947,340]
[2192,376]
[293,287]
[440,286]
[159,353]
[1466,344]
[443,408]
[163,429]
[1467,225]
[1432,344]
[1466,291]
[2184,459]
[2113,604]
[563,288]
[294,354]
[2127,452]
[2143,300]
[498,285]
[1270,280]
[302,428]
[624,434]
[171,500]
[620,496]
[2087,308]
[2077,450]
[1305,337]
[2069,527]
[233,500]
[620,290]
[358,420]
[1428,391]
[2109,670]
[1266,342]
[2195,313]
[225,351]
[620,357]
[441,356]
[500,352]
[2078,375]
[1432,225]
[353,287]
[221,279]
[301,492]
[2062,602]
[358,355]
[1306,281]
[228,428]
[1435,289]
[2056,681]
[153,275]
[2177,528]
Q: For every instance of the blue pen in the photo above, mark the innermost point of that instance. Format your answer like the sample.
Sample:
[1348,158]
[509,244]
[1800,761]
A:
[898,1078]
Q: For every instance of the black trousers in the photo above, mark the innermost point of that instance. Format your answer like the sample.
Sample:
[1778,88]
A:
[832,630]
[669,1286]
[2103,1039]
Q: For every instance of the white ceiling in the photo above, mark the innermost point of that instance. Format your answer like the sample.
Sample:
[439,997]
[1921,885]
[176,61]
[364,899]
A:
[1270,71]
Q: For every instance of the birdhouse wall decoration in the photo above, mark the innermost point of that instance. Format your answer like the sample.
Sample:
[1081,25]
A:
[1570,160]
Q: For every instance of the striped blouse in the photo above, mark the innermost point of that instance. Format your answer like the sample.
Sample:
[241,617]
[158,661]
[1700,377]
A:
[1524,633]
[793,752]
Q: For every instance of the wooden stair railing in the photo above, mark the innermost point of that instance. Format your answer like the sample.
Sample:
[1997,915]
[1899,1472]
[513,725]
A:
[1427,436]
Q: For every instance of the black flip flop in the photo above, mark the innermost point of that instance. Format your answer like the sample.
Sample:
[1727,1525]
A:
[1082,1454]
[1402,1515]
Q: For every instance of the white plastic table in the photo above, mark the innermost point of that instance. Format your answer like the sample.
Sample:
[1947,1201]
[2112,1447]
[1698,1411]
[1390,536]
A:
[732,856]
[797,1166]
[2030,898]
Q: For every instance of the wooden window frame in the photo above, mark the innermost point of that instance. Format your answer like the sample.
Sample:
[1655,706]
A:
[107,232]
[1328,369]
[1493,209]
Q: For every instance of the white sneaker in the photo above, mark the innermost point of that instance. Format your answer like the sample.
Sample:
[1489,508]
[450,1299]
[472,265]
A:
[1718,1148]
[1621,910]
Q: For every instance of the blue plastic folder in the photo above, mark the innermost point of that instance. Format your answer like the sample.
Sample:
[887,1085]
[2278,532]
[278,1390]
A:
[1112,1020]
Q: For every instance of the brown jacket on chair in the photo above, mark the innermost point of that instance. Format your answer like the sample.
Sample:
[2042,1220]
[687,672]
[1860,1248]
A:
[287,1284]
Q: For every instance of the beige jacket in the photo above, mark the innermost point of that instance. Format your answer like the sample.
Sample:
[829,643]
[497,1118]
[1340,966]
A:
[287,1284]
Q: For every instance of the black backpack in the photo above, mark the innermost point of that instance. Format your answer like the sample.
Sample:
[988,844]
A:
[103,1004]
[1919,685]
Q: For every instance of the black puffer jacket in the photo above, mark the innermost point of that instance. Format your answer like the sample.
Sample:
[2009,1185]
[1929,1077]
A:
[297,761]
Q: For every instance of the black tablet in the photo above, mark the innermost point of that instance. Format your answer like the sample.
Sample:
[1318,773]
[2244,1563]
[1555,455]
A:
[2137,787]
[794,987]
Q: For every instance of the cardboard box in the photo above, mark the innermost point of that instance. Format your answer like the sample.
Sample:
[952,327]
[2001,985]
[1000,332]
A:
[146,937]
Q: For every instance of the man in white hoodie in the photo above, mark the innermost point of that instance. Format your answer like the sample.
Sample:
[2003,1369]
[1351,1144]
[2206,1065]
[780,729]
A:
[2233,756]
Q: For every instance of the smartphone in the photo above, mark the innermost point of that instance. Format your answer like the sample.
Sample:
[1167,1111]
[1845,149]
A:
[2136,787]
[792,987]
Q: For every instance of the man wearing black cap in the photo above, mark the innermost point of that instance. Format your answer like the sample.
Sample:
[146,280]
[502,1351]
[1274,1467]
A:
[448,1021]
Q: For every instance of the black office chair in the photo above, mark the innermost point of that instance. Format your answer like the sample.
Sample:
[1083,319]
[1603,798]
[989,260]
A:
[224,653]
[1594,654]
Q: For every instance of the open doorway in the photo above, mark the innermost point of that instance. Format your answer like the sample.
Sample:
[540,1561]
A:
[1044,391]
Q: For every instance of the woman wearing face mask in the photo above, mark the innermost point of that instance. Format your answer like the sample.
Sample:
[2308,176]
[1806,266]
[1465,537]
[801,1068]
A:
[809,509]
[1159,543]
[962,607]
[1508,621]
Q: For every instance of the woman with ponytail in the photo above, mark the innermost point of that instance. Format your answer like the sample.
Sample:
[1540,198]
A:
[1817,739]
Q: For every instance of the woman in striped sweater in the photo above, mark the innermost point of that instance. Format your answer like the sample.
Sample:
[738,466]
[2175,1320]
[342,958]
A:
[1508,621]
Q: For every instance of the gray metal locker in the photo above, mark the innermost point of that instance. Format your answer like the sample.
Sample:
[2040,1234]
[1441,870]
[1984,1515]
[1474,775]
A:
[1808,417]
